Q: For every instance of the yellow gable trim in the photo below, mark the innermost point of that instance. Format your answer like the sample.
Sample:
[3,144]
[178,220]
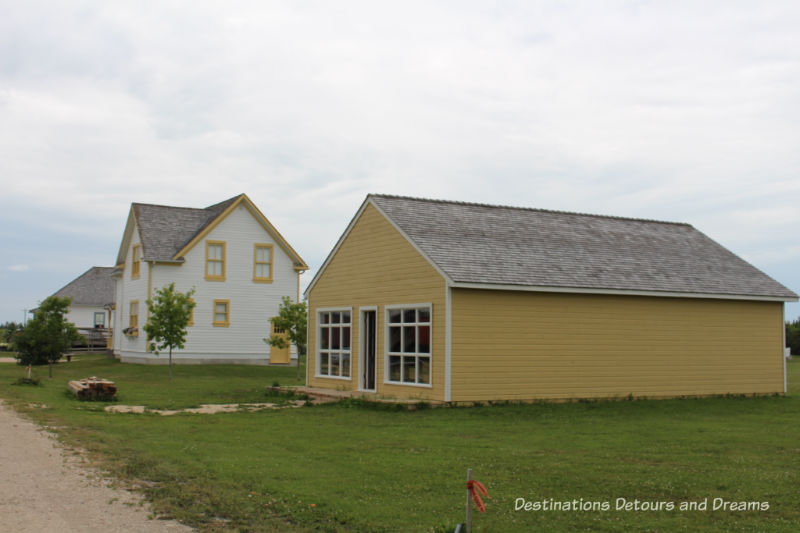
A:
[259,216]
[127,236]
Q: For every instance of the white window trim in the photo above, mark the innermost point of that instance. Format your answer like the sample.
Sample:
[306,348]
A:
[386,380]
[318,328]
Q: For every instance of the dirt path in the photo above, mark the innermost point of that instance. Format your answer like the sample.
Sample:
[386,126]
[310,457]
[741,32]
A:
[42,488]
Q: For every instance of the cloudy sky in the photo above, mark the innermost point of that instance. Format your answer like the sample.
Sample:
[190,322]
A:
[681,111]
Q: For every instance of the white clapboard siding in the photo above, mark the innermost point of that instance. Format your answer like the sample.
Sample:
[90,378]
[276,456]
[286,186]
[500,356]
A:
[132,289]
[83,315]
[252,304]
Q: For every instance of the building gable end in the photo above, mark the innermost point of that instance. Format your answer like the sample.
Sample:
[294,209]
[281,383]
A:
[368,202]
[127,237]
[300,265]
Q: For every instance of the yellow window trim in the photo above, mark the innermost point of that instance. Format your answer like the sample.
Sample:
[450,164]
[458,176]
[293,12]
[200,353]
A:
[227,321]
[256,262]
[133,319]
[210,277]
[136,260]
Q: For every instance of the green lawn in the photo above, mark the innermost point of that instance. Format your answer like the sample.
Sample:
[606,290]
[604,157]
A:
[351,468]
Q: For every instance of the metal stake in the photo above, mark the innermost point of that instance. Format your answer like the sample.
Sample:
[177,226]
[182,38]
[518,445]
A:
[469,503]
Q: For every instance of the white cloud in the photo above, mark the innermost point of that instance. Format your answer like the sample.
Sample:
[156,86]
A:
[676,110]
[19,268]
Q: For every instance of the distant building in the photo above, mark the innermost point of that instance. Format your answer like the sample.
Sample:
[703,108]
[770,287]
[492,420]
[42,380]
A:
[92,295]
[238,263]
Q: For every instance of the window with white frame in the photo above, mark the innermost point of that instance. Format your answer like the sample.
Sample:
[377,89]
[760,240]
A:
[99,319]
[409,344]
[333,352]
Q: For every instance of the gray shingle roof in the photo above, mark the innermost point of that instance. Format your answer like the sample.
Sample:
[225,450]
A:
[165,230]
[482,244]
[93,287]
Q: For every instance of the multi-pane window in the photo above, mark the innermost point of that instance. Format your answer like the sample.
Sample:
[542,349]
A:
[133,317]
[99,319]
[215,260]
[262,262]
[136,261]
[409,344]
[333,353]
[222,310]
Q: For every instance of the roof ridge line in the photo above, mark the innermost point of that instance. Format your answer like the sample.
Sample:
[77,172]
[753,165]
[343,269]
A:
[536,209]
[170,206]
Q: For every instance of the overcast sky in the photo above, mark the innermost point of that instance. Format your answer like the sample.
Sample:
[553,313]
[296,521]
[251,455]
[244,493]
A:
[680,111]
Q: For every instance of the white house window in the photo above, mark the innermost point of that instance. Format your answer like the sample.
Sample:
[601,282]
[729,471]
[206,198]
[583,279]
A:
[333,354]
[99,319]
[409,344]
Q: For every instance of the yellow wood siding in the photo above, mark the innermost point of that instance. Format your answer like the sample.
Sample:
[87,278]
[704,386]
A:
[376,266]
[527,345]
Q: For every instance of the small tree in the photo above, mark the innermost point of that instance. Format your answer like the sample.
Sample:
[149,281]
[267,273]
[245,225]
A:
[793,336]
[170,312]
[47,335]
[293,319]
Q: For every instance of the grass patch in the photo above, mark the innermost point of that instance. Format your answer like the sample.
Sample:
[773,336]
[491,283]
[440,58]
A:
[28,381]
[352,467]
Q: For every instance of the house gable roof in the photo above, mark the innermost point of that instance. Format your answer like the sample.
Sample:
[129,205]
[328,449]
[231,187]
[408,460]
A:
[93,287]
[533,249]
[167,233]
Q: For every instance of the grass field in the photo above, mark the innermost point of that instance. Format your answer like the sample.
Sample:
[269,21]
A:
[346,467]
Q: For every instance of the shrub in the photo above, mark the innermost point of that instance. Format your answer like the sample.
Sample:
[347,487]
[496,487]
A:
[793,336]
[28,381]
[48,334]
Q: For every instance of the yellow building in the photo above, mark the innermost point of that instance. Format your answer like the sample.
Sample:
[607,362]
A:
[458,302]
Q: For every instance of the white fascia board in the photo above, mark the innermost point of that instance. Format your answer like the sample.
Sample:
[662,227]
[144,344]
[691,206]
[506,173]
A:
[618,292]
[448,342]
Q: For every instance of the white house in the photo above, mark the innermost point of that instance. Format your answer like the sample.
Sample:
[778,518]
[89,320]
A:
[92,295]
[234,258]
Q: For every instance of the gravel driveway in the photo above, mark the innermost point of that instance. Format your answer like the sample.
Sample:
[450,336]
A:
[44,489]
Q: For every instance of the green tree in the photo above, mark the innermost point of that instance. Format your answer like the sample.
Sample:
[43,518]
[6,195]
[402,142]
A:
[170,312]
[293,319]
[47,335]
[8,331]
[793,336]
